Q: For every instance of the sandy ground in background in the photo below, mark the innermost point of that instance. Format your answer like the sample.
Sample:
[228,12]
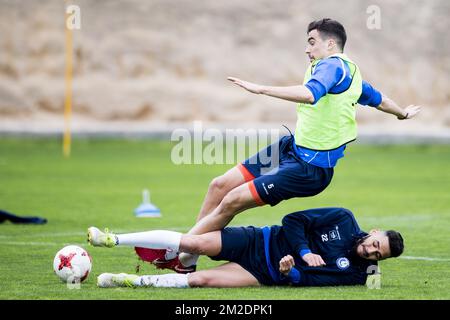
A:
[142,67]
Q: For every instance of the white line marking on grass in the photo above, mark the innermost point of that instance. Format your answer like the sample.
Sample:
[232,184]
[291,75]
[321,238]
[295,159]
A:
[81,233]
[423,258]
[49,244]
[18,243]
[56,234]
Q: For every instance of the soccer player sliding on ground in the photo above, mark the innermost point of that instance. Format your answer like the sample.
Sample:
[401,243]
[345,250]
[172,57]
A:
[316,247]
[300,165]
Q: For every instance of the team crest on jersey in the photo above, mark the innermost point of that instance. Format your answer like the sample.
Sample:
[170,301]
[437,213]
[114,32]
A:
[331,235]
[334,234]
[342,263]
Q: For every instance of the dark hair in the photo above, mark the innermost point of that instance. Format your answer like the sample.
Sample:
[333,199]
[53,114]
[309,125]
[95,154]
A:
[395,243]
[330,28]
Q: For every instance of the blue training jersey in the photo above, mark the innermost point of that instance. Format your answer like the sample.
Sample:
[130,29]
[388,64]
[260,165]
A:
[328,232]
[332,75]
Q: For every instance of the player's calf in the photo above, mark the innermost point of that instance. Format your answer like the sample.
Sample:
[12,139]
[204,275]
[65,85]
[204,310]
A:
[205,244]
[200,279]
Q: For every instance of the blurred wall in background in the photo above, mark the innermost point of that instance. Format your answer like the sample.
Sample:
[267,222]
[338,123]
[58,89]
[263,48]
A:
[159,64]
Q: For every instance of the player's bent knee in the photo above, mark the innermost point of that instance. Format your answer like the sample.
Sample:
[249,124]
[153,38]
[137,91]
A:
[217,184]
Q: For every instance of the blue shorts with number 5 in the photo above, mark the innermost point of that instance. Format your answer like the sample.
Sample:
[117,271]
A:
[276,173]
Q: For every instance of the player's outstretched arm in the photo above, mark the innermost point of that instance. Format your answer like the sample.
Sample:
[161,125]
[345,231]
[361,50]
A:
[291,93]
[389,106]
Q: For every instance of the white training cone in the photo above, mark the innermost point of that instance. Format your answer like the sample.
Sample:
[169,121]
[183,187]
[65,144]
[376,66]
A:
[147,209]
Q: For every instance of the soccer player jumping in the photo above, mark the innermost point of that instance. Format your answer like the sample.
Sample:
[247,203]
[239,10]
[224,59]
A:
[326,107]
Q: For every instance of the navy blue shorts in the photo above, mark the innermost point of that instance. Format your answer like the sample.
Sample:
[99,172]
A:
[276,173]
[245,246]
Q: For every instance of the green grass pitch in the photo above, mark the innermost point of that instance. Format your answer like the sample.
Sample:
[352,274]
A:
[400,187]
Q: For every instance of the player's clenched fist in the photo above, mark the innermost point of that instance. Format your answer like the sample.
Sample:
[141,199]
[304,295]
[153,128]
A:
[286,264]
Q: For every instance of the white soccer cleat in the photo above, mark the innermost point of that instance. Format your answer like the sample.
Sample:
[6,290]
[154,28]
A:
[111,280]
[98,238]
[105,281]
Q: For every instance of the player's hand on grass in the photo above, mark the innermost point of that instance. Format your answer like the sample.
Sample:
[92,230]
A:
[411,111]
[252,87]
[313,260]
[286,264]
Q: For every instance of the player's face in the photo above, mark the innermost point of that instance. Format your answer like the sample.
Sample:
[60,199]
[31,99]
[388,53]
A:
[317,48]
[375,246]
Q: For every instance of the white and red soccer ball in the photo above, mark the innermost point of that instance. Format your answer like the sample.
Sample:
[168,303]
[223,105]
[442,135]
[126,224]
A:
[72,264]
